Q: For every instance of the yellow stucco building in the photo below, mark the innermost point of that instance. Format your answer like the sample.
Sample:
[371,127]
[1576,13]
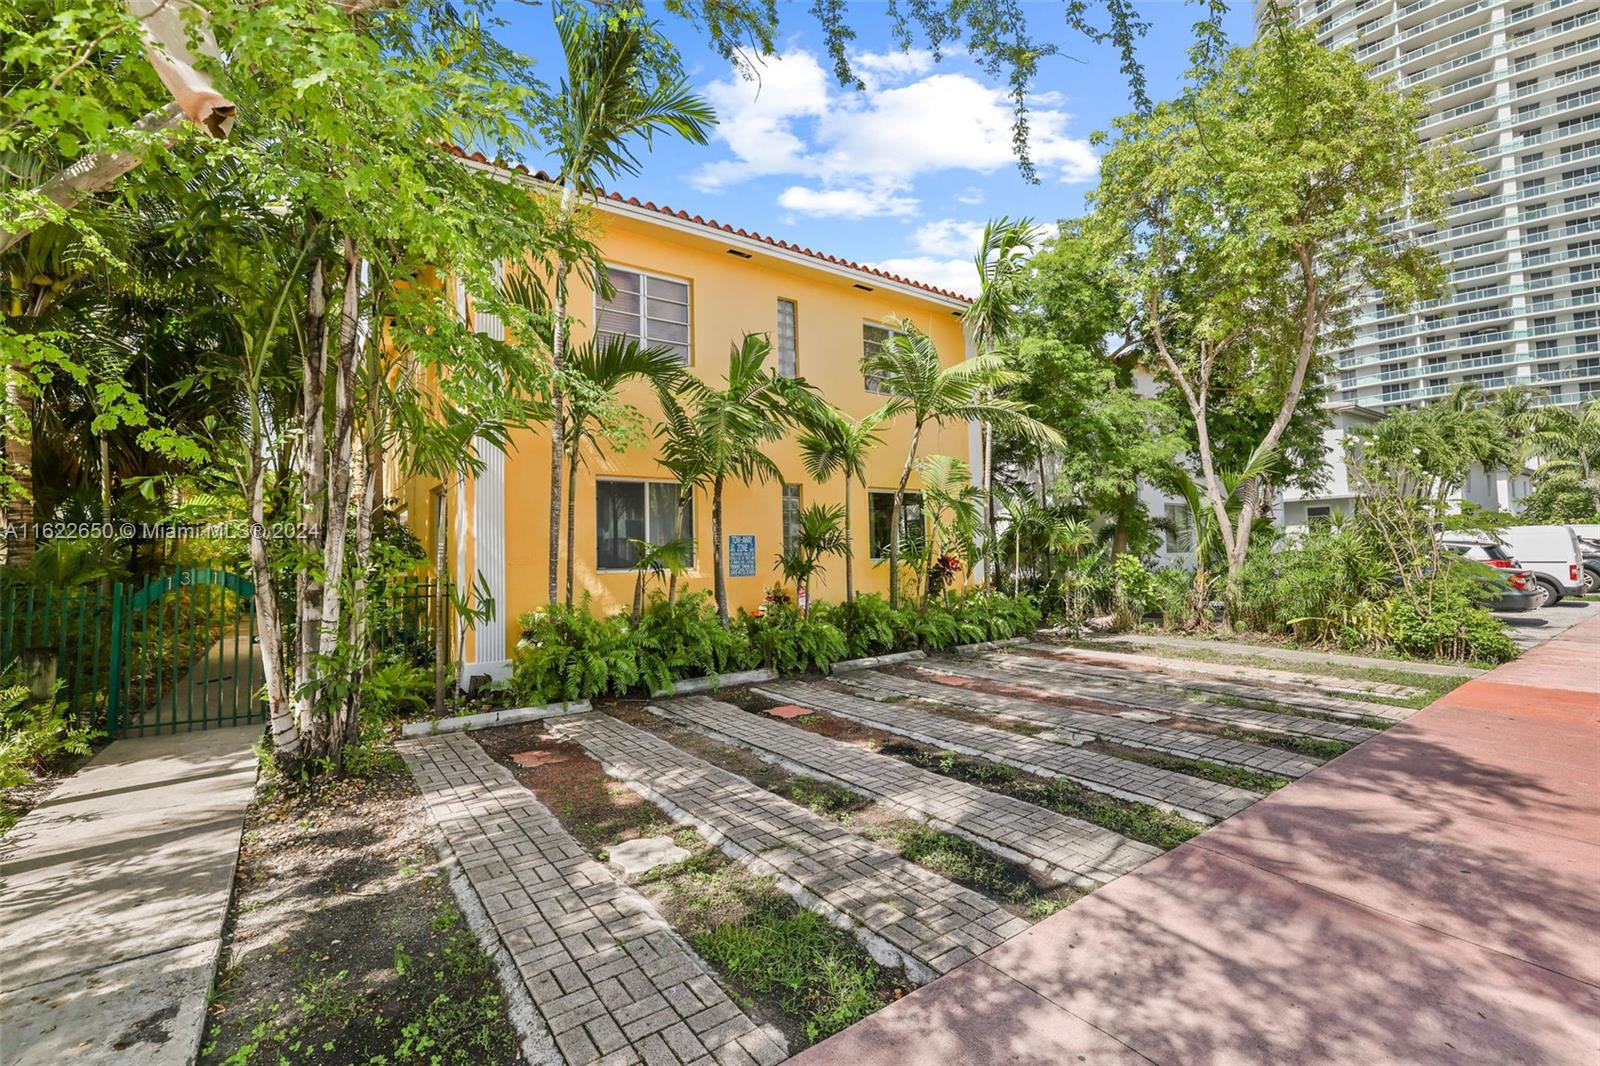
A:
[699,286]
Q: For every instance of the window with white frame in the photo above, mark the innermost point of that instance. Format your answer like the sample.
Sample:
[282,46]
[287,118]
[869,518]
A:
[649,309]
[654,512]
[1319,515]
[873,338]
[788,339]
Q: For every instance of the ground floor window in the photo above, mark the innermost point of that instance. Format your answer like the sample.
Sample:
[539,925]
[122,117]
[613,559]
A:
[880,507]
[791,517]
[1177,529]
[649,511]
[1319,515]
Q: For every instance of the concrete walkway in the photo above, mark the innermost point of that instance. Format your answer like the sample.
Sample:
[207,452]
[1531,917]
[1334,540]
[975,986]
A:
[1428,897]
[113,894]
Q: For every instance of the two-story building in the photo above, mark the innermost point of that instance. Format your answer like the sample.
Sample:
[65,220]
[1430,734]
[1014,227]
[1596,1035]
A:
[698,286]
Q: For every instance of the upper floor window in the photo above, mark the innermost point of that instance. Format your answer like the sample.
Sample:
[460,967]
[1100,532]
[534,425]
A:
[873,338]
[649,309]
[788,339]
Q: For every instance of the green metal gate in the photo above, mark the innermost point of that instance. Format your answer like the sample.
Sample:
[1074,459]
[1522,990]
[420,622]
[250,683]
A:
[177,653]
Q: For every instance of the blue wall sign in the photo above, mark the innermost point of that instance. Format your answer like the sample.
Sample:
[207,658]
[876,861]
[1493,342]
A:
[741,555]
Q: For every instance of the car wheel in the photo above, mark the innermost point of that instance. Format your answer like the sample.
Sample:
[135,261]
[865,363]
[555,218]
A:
[1546,592]
[1591,581]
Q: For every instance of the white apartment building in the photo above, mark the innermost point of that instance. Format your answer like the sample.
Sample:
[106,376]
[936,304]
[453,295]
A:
[1519,85]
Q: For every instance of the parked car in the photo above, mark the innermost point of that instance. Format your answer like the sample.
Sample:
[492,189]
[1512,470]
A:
[1510,587]
[1552,553]
[1591,566]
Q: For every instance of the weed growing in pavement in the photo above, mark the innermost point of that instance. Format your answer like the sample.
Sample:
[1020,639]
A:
[1140,821]
[1254,780]
[816,971]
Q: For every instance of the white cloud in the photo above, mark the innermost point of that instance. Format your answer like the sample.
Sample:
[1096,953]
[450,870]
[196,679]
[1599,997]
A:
[856,202]
[971,195]
[957,275]
[851,147]
[948,237]
[876,69]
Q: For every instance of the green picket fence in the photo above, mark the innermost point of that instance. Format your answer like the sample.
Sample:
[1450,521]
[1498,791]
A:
[179,651]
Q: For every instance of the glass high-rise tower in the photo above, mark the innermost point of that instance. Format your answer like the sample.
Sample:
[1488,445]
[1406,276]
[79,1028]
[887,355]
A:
[1519,86]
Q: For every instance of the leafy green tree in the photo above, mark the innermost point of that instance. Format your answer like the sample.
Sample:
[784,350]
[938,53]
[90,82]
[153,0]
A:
[716,433]
[1244,219]
[836,444]
[611,98]
[928,393]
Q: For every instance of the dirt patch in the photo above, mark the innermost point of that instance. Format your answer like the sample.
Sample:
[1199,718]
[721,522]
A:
[596,810]
[344,943]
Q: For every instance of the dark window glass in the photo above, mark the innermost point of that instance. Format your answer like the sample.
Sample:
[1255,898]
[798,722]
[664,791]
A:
[881,506]
[637,510]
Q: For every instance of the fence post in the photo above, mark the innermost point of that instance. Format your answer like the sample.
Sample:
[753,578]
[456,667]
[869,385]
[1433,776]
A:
[114,680]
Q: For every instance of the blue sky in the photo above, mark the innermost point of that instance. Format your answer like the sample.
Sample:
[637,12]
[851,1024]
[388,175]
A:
[902,175]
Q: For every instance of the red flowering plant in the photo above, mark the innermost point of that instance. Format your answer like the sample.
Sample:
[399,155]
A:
[942,573]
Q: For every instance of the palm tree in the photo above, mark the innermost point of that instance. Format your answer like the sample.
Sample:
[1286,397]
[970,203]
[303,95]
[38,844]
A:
[596,369]
[654,560]
[1568,440]
[995,315]
[839,444]
[713,434]
[1026,518]
[909,369]
[1071,539]
[821,534]
[605,101]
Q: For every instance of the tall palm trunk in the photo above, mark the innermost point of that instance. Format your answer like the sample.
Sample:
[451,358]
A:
[558,355]
[991,545]
[894,517]
[572,518]
[719,579]
[849,548]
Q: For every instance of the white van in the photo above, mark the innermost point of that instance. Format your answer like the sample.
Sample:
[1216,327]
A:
[1554,556]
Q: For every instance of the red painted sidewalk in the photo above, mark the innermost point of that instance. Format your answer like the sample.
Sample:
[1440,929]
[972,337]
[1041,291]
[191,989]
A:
[1431,896]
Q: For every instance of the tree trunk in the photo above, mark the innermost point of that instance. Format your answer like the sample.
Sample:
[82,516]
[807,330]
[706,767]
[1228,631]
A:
[894,517]
[991,545]
[287,743]
[19,537]
[572,520]
[441,607]
[558,356]
[341,448]
[718,578]
[638,598]
[849,548]
[312,509]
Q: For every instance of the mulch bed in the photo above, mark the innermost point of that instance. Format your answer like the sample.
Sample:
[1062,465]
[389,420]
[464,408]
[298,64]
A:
[344,944]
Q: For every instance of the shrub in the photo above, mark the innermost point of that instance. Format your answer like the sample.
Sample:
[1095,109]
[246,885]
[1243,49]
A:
[33,734]
[1308,584]
[1454,627]
[1171,593]
[870,626]
[790,643]
[684,638]
[566,654]
[397,689]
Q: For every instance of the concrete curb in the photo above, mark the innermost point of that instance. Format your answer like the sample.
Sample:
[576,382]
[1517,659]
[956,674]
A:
[489,719]
[987,645]
[846,665]
[690,685]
